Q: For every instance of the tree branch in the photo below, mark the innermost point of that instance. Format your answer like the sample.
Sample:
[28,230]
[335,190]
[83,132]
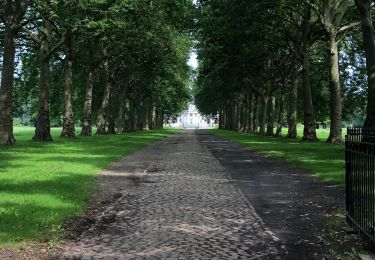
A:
[340,11]
[57,46]
[348,27]
[312,6]
[32,36]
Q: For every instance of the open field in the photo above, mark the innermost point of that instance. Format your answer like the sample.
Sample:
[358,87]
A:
[41,184]
[322,159]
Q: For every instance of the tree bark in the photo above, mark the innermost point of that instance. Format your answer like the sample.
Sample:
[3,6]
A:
[151,117]
[234,118]
[12,17]
[6,89]
[68,122]
[271,115]
[159,118]
[335,136]
[131,127]
[255,114]
[86,121]
[280,116]
[364,7]
[111,125]
[113,107]
[262,115]
[146,113]
[242,116]
[221,118]
[126,116]
[101,129]
[43,127]
[309,131]
[139,116]
[293,99]
[113,113]
[250,115]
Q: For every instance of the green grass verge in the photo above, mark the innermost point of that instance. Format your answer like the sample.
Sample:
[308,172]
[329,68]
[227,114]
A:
[41,184]
[324,160]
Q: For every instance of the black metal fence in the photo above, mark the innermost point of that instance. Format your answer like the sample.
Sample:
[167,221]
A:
[360,181]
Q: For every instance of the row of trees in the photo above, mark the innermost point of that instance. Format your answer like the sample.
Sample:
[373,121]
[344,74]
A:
[265,64]
[121,64]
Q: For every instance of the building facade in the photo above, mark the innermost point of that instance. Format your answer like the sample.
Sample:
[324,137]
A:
[191,118]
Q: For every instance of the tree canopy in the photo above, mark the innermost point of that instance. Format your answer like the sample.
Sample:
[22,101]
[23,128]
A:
[121,65]
[112,64]
[270,64]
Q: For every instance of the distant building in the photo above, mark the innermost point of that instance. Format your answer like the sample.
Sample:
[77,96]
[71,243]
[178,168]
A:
[191,118]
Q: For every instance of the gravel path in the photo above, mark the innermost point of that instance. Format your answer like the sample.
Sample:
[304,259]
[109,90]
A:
[172,200]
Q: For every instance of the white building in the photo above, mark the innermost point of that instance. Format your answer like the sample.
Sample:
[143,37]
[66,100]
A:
[191,118]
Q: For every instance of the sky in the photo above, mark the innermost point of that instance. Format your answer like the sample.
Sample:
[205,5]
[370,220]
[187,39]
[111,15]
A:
[193,61]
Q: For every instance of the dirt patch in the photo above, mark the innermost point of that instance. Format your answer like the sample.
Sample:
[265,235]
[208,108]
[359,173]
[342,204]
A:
[29,252]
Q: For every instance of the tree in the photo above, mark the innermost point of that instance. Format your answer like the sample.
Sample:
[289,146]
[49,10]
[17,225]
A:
[12,14]
[332,16]
[364,8]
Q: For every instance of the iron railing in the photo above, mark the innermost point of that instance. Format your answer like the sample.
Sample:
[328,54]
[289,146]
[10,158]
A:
[360,181]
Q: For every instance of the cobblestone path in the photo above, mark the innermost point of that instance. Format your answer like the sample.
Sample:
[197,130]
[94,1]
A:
[181,205]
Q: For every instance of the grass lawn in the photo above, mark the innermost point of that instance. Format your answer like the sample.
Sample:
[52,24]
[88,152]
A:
[322,159]
[41,184]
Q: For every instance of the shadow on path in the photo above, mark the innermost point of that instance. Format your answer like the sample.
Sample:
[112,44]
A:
[292,203]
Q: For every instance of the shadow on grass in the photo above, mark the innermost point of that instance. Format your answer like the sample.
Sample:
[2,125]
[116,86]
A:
[41,184]
[28,220]
[35,208]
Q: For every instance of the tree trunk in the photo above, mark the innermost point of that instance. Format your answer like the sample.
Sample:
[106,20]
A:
[102,116]
[255,114]
[113,107]
[221,118]
[228,117]
[243,118]
[86,121]
[293,99]
[12,21]
[234,116]
[133,116]
[6,88]
[159,118]
[271,115]
[139,116]
[146,113]
[68,122]
[111,125]
[309,131]
[262,115]
[151,117]
[280,116]
[113,113]
[335,135]
[101,130]
[364,7]
[126,116]
[43,127]
[225,117]
[250,115]
[238,112]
